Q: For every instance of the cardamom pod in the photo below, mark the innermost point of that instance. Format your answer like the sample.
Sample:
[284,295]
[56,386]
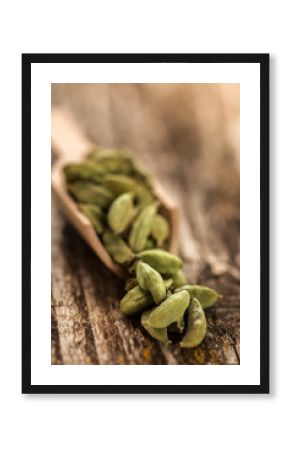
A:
[117,248]
[95,216]
[157,333]
[196,327]
[141,227]
[119,184]
[143,194]
[118,161]
[150,280]
[169,311]
[121,212]
[206,296]
[113,163]
[179,278]
[160,260]
[85,171]
[160,229]
[135,301]
[90,193]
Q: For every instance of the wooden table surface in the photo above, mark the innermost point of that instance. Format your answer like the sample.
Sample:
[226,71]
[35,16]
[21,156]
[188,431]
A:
[188,136]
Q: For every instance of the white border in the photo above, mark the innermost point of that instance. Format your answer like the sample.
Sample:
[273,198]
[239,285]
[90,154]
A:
[248,75]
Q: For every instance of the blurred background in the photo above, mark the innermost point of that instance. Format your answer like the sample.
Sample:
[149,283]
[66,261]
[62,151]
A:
[187,135]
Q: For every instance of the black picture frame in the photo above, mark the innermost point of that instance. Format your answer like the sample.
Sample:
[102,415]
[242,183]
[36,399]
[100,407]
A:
[27,61]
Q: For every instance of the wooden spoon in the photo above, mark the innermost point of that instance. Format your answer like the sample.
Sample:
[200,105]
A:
[71,145]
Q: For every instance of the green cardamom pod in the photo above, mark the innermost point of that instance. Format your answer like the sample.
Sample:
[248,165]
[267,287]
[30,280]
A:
[121,212]
[143,194]
[117,248]
[118,165]
[118,161]
[110,156]
[95,216]
[160,229]
[169,311]
[160,260]
[135,301]
[196,327]
[85,171]
[206,296]
[179,278]
[157,333]
[150,280]
[119,184]
[141,227]
[90,193]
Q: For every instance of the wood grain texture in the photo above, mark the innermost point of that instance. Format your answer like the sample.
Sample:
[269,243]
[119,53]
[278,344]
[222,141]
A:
[188,136]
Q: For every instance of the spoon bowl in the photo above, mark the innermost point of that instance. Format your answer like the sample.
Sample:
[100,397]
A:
[71,145]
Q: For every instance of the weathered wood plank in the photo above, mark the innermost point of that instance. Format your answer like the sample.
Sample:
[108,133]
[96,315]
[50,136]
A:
[187,135]
[73,337]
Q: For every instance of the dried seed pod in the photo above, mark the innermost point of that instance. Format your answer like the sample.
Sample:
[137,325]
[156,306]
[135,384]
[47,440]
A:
[169,311]
[135,301]
[160,260]
[143,195]
[141,227]
[117,248]
[179,278]
[205,295]
[157,333]
[119,161]
[160,229]
[196,327]
[119,184]
[95,216]
[150,280]
[112,161]
[121,212]
[84,171]
[90,193]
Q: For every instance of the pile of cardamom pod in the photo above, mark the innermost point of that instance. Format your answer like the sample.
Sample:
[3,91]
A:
[117,197]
